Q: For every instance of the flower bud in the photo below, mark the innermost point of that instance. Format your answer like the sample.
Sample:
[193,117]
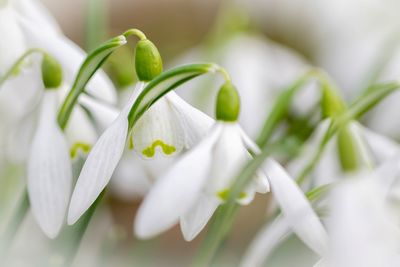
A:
[228,103]
[347,149]
[331,103]
[51,72]
[148,62]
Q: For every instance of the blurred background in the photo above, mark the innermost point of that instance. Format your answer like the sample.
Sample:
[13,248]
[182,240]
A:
[266,45]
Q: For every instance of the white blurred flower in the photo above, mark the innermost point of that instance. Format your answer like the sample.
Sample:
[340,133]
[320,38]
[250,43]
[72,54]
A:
[169,126]
[26,25]
[22,26]
[362,225]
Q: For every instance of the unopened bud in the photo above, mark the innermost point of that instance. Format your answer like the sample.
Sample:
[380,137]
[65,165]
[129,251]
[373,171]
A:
[51,72]
[228,103]
[148,62]
[347,149]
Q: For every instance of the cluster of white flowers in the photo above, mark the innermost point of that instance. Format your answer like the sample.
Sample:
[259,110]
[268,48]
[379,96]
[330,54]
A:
[342,206]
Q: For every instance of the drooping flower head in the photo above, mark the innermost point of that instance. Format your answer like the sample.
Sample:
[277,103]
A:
[167,127]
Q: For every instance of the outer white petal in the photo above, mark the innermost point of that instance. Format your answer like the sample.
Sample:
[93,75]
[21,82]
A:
[103,113]
[194,220]
[49,171]
[195,123]
[176,192]
[159,129]
[99,166]
[70,56]
[230,155]
[296,209]
[266,241]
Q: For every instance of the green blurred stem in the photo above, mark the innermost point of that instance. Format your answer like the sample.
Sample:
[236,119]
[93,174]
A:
[96,24]
[73,235]
[14,224]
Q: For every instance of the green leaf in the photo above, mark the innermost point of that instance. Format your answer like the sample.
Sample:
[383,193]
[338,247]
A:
[88,68]
[280,109]
[163,84]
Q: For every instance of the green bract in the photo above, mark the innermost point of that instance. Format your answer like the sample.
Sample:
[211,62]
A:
[51,72]
[228,103]
[148,62]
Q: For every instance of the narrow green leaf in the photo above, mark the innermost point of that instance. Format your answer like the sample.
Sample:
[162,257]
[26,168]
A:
[88,68]
[163,84]
[280,110]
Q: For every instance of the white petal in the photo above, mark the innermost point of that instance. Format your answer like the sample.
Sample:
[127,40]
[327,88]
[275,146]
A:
[102,113]
[266,241]
[230,154]
[70,56]
[295,207]
[49,171]
[99,166]
[195,123]
[158,129]
[176,192]
[194,220]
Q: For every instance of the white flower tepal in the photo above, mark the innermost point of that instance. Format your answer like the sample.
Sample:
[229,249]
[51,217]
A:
[49,170]
[194,187]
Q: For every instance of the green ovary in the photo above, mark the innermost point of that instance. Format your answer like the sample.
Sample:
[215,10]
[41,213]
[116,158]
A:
[151,150]
[224,194]
[85,148]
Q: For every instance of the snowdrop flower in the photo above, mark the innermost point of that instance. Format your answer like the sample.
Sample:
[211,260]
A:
[49,171]
[23,23]
[200,181]
[168,127]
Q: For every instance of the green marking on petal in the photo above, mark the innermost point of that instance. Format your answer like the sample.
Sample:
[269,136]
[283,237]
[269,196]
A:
[224,194]
[130,142]
[151,150]
[85,148]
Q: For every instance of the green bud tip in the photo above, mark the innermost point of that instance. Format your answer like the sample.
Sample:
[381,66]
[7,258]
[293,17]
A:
[331,103]
[148,62]
[51,72]
[228,103]
[347,149]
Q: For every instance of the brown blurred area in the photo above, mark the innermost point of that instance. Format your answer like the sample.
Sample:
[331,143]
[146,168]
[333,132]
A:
[174,25]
